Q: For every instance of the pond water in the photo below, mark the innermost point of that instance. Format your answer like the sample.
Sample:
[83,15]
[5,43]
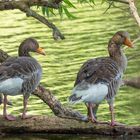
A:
[86,37]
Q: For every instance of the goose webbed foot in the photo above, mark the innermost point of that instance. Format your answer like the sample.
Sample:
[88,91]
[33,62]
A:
[95,121]
[10,117]
[114,123]
[25,101]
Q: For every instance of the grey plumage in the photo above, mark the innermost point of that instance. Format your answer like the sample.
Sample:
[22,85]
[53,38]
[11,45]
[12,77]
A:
[26,68]
[107,71]
[21,75]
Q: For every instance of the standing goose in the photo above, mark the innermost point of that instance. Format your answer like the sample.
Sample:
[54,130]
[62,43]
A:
[20,75]
[100,78]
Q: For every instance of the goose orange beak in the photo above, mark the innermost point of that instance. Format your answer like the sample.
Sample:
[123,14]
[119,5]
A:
[128,43]
[41,51]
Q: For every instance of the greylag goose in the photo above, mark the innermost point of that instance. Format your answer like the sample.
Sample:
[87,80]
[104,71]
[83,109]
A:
[100,78]
[20,75]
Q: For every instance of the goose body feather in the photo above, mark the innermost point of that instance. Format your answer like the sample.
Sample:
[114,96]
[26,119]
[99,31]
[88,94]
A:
[102,76]
[19,75]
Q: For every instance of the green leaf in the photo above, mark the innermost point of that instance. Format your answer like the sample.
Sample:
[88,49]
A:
[69,3]
[51,11]
[38,7]
[47,11]
[69,15]
[103,1]
[43,10]
[60,10]
[92,1]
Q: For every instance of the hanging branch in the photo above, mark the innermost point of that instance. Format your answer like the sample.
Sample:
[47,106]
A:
[25,6]
[56,33]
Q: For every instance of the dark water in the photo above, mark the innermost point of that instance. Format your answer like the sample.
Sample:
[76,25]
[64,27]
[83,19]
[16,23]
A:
[66,137]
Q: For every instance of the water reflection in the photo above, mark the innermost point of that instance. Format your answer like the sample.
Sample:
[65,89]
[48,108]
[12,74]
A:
[66,137]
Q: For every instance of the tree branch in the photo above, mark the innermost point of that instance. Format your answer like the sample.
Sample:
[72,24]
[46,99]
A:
[120,1]
[24,6]
[57,108]
[44,124]
[56,33]
[134,82]
[134,11]
[14,4]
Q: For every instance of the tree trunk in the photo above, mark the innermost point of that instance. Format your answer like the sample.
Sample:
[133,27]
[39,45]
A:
[44,124]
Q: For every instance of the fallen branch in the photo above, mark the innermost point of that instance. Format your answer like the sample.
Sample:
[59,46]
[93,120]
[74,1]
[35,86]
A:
[68,124]
[134,82]
[44,124]
[57,108]
[24,6]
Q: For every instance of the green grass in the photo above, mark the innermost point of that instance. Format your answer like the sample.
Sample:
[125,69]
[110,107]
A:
[86,37]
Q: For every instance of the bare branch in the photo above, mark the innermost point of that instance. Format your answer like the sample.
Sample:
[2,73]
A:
[24,6]
[137,39]
[56,33]
[57,108]
[120,1]
[56,125]
[137,54]
[134,12]
[14,4]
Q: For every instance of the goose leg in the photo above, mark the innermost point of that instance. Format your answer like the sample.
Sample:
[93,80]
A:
[1,100]
[94,110]
[90,113]
[113,122]
[6,116]
[111,108]
[25,101]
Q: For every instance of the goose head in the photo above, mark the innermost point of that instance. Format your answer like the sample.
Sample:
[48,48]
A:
[30,45]
[120,38]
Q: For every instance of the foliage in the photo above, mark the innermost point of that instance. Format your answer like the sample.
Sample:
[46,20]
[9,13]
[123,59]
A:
[67,4]
[64,8]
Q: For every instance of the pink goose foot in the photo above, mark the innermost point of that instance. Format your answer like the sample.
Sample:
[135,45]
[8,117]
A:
[114,123]
[10,117]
